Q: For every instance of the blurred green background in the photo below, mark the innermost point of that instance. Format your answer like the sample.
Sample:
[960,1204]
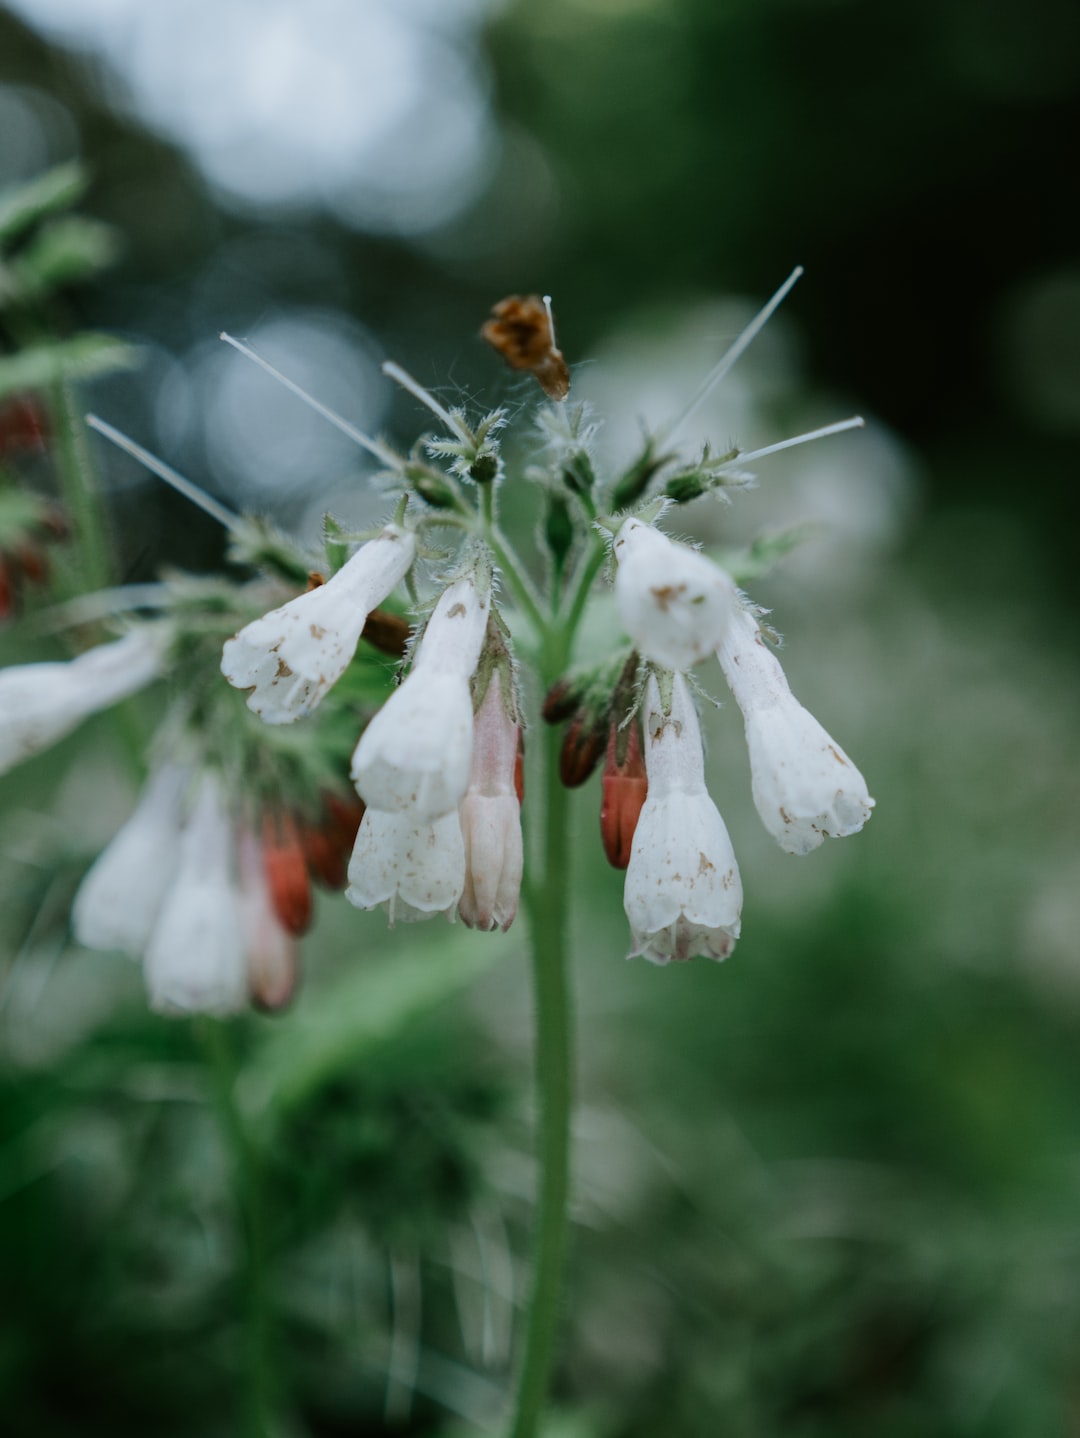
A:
[829,1188]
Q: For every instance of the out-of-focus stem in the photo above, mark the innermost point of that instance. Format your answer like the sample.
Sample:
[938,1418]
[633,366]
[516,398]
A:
[78,482]
[247,1188]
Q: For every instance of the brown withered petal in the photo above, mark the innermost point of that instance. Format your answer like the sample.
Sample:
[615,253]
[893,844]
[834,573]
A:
[315,580]
[520,332]
[389,633]
[581,749]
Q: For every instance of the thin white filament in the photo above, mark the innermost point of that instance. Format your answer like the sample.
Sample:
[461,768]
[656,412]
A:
[855,422]
[206,502]
[382,452]
[727,360]
[406,381]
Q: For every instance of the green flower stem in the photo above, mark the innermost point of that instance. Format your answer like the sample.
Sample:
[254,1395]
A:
[548,910]
[79,486]
[247,1186]
[589,568]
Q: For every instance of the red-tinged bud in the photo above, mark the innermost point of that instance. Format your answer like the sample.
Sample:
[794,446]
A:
[582,746]
[389,633]
[625,789]
[328,844]
[33,562]
[326,861]
[560,702]
[54,522]
[345,812]
[22,426]
[8,595]
[286,873]
[273,964]
[273,977]
[519,770]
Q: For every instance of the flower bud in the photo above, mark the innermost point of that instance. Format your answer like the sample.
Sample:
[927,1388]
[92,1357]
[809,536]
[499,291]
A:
[582,747]
[491,817]
[625,789]
[286,873]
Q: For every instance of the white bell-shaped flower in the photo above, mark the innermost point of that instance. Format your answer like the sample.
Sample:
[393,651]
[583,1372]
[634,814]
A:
[415,754]
[673,602]
[195,960]
[805,787]
[273,965]
[683,894]
[491,817]
[291,657]
[118,902]
[40,703]
[416,869]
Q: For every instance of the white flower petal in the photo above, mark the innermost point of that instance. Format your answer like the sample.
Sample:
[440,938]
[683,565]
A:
[40,703]
[290,657]
[416,869]
[195,961]
[415,754]
[118,901]
[673,602]
[805,787]
[683,894]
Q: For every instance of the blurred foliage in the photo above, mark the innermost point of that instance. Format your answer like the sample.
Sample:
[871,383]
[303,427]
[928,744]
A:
[829,1189]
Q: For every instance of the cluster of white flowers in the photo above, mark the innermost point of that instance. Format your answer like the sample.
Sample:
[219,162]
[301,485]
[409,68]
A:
[212,903]
[683,894]
[442,827]
[179,888]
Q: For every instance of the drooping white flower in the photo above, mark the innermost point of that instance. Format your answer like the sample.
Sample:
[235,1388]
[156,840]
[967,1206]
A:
[673,602]
[40,703]
[118,901]
[415,754]
[291,657]
[683,895]
[195,961]
[416,869]
[491,818]
[805,787]
[272,960]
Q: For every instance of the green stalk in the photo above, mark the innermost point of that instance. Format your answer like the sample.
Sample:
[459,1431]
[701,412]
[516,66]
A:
[548,911]
[247,1188]
[78,483]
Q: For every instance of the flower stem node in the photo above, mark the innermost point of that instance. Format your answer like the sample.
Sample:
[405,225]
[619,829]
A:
[683,895]
[805,787]
[673,602]
[40,703]
[291,657]
[416,753]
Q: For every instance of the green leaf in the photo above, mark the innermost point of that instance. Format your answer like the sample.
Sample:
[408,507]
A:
[343,1024]
[335,543]
[762,555]
[63,252]
[22,206]
[84,357]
